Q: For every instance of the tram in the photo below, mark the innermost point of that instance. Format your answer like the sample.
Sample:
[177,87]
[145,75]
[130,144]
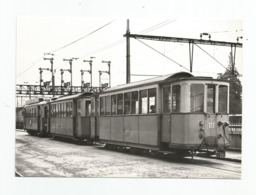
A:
[177,112]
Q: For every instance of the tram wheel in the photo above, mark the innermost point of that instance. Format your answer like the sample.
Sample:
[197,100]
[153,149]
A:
[221,155]
[133,150]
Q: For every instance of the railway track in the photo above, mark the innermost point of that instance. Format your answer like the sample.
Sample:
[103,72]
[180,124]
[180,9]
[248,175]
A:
[17,174]
[221,159]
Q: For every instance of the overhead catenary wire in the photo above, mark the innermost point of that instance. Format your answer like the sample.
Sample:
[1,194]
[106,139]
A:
[213,57]
[34,63]
[159,25]
[163,54]
[226,31]
[82,37]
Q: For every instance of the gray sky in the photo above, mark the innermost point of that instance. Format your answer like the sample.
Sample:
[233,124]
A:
[39,35]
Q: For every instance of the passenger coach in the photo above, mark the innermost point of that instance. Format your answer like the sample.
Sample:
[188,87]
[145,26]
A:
[36,116]
[176,112]
[70,116]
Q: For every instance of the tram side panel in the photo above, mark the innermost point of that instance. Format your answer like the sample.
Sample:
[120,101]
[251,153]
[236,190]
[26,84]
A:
[148,130]
[31,122]
[131,129]
[117,128]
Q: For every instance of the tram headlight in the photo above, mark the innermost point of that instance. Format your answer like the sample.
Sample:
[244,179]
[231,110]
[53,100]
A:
[201,123]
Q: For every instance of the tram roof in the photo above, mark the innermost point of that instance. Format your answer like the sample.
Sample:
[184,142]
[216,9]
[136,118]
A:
[155,80]
[75,96]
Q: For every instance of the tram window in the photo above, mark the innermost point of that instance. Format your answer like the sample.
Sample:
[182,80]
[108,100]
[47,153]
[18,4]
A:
[92,107]
[152,100]
[102,106]
[98,107]
[135,103]
[59,112]
[78,108]
[144,102]
[210,98]
[223,99]
[64,109]
[120,104]
[167,99]
[197,98]
[113,104]
[71,109]
[55,110]
[52,110]
[127,103]
[67,109]
[61,109]
[87,108]
[108,105]
[176,98]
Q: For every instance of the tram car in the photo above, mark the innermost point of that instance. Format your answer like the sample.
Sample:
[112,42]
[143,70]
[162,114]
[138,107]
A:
[67,116]
[71,117]
[19,118]
[36,116]
[177,112]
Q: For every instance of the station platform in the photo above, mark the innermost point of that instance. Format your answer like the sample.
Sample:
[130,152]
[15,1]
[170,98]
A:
[234,154]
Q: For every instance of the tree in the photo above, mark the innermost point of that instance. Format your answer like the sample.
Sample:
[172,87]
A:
[235,94]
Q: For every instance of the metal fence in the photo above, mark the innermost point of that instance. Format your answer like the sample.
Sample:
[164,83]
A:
[235,131]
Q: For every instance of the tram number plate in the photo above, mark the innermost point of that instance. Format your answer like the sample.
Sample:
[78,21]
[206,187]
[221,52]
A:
[210,125]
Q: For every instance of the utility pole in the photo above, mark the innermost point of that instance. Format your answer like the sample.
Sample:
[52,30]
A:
[53,84]
[70,63]
[191,43]
[62,80]
[41,77]
[128,54]
[89,71]
[108,72]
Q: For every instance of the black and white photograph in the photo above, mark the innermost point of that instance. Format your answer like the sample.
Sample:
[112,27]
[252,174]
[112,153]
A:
[143,96]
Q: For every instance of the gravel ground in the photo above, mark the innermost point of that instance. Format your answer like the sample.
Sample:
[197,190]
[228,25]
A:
[45,157]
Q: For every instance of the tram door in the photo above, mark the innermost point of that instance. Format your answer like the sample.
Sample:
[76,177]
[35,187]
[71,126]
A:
[93,118]
[210,118]
[45,119]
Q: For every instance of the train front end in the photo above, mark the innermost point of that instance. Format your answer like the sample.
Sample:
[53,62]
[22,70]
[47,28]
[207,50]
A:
[199,119]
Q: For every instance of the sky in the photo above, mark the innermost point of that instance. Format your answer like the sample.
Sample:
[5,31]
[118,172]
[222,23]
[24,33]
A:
[39,35]
[30,28]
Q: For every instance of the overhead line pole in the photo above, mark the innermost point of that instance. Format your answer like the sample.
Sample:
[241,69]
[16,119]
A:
[128,54]
[70,63]
[191,43]
[51,60]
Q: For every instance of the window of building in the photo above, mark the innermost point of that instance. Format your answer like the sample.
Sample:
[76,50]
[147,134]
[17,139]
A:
[152,100]
[210,98]
[87,108]
[176,98]
[108,105]
[113,105]
[223,99]
[135,103]
[197,98]
[120,104]
[167,99]
[144,102]
[127,103]
[102,106]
